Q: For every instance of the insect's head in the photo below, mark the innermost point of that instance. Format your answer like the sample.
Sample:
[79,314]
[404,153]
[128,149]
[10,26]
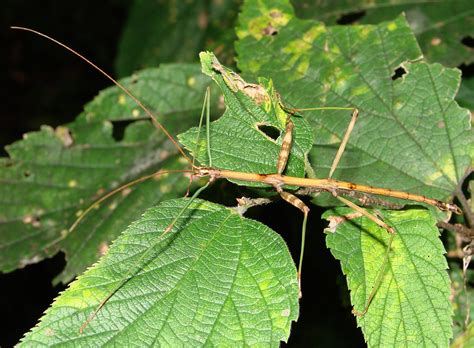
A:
[204,171]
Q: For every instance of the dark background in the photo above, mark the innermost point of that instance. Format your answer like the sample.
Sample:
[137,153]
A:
[44,84]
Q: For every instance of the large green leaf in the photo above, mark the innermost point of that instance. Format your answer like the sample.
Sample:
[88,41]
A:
[215,279]
[462,299]
[440,26]
[411,134]
[236,142]
[175,31]
[411,307]
[467,339]
[53,174]
[465,97]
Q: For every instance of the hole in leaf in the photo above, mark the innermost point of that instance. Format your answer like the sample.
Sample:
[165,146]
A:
[269,30]
[465,185]
[118,131]
[26,173]
[269,131]
[467,70]
[134,79]
[399,72]
[350,17]
[468,41]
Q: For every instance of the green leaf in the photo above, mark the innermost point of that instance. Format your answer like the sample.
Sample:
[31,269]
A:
[411,307]
[467,339]
[53,174]
[215,279]
[465,97]
[237,142]
[411,135]
[471,192]
[439,26]
[158,32]
[462,299]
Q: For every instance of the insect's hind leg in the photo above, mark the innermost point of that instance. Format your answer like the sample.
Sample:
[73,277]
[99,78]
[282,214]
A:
[298,203]
[365,213]
[290,198]
[281,165]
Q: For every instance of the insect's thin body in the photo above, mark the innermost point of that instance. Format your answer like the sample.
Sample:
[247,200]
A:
[330,185]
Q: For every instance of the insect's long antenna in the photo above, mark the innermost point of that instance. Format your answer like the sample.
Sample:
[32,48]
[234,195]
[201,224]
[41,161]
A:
[203,110]
[132,271]
[378,280]
[118,84]
[322,108]
[121,188]
[208,127]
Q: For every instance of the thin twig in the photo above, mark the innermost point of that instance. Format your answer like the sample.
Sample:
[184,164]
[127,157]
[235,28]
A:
[466,207]
[457,228]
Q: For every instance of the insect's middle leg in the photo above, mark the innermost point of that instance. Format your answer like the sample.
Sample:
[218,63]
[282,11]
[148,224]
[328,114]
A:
[364,212]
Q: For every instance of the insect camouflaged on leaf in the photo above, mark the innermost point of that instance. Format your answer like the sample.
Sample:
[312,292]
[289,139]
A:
[262,97]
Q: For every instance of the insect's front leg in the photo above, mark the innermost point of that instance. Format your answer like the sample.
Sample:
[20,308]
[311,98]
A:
[285,146]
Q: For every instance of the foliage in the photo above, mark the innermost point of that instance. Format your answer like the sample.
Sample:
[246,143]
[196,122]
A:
[218,277]
[190,292]
[54,174]
[353,66]
[175,32]
[442,28]
[411,307]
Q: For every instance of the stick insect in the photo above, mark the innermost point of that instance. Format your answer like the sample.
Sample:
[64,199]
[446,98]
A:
[274,178]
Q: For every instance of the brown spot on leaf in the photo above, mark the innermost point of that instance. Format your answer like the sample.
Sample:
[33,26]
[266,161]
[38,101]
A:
[103,248]
[126,191]
[65,135]
[435,41]
[31,219]
[27,219]
[275,14]
[113,205]
[269,30]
